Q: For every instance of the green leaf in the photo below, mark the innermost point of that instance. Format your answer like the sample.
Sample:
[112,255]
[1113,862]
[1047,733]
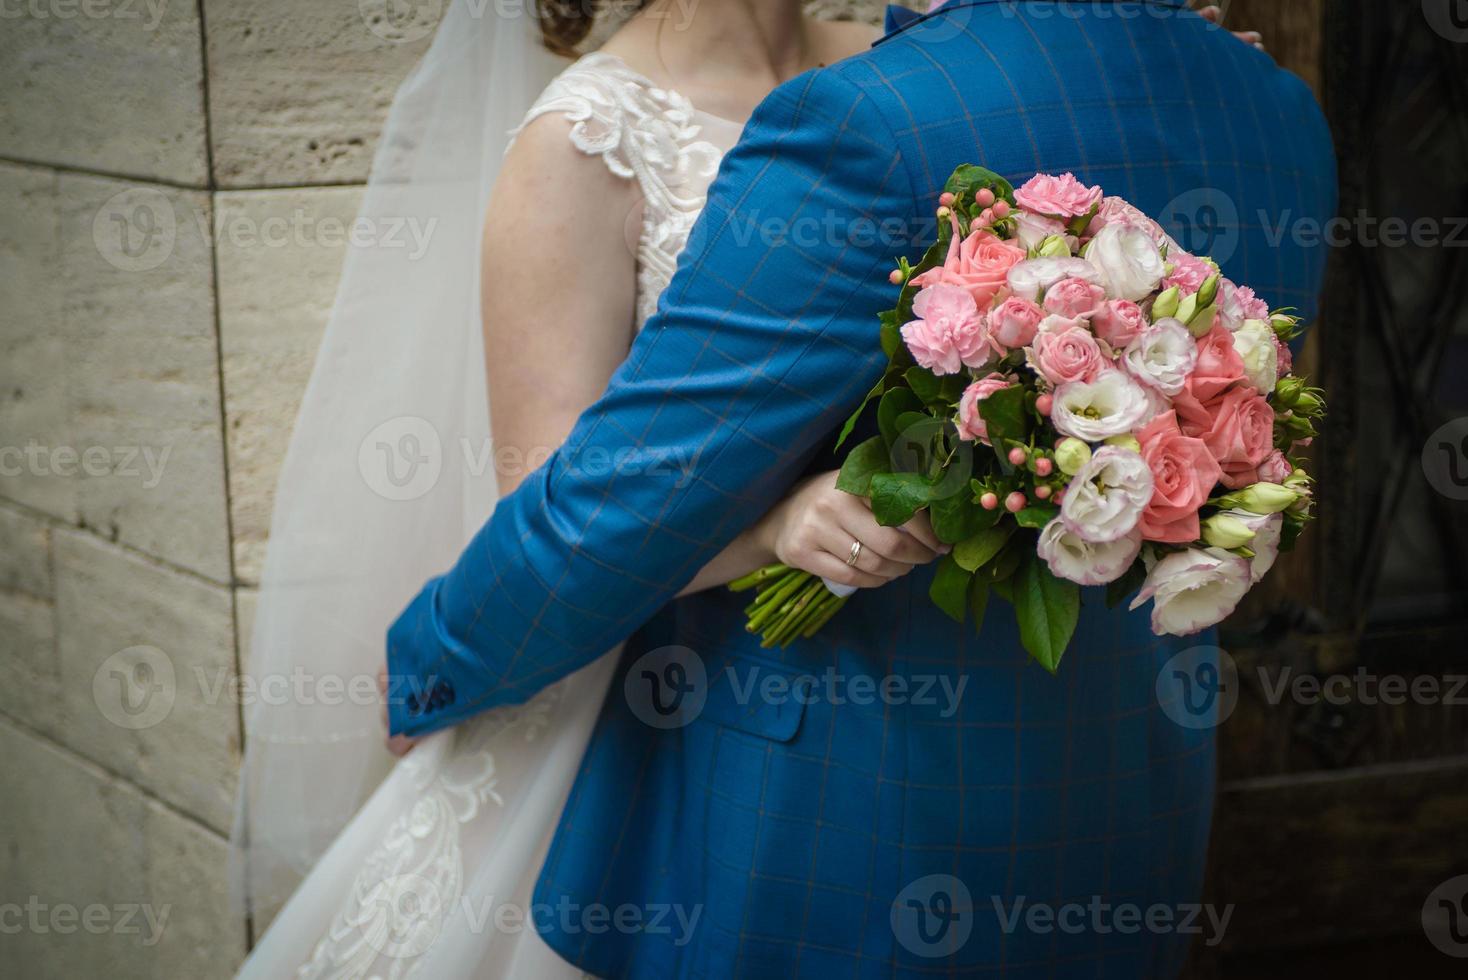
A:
[956,517]
[1003,588]
[897,496]
[1036,516]
[855,416]
[1119,591]
[978,601]
[893,404]
[1002,567]
[950,589]
[891,331]
[968,179]
[1048,609]
[924,383]
[976,552]
[1004,415]
[865,460]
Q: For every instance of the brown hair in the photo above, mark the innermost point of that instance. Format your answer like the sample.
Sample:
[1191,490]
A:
[565,23]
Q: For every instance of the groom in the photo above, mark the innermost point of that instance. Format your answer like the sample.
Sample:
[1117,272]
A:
[1025,825]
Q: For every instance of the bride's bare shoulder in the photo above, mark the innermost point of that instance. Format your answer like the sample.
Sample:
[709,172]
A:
[837,39]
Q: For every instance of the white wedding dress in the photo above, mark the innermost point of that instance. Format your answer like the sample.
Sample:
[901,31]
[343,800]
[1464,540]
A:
[433,876]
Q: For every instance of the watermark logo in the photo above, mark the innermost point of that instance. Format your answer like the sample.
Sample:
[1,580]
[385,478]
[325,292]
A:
[1445,917]
[404,914]
[401,21]
[1448,18]
[1102,918]
[135,688]
[402,458]
[149,12]
[135,230]
[1199,687]
[1205,221]
[1445,459]
[667,687]
[933,916]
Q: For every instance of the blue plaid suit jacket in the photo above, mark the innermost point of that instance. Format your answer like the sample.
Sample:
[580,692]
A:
[868,824]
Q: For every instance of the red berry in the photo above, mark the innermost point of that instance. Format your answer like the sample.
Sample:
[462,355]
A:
[896,277]
[1017,456]
[945,199]
[1015,502]
[984,197]
[1044,466]
[1043,492]
[1044,404]
[1001,209]
[989,501]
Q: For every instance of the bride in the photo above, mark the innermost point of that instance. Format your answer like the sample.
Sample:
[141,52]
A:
[546,254]
[589,210]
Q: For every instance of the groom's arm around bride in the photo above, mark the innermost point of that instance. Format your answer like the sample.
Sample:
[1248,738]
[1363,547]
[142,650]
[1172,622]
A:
[766,337]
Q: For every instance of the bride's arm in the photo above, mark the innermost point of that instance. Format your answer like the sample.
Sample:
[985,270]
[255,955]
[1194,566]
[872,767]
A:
[559,300]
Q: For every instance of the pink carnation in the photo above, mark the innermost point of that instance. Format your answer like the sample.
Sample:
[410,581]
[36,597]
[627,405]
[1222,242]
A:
[1284,357]
[1188,272]
[1062,196]
[949,333]
[971,425]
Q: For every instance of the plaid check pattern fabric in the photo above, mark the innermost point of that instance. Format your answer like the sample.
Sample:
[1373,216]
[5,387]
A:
[803,827]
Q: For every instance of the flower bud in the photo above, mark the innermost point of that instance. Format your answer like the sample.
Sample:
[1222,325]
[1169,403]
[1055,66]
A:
[1071,455]
[1227,532]
[1261,498]
[1125,441]
[1187,308]
[1208,292]
[1054,247]
[1284,325]
[1166,304]
[1288,389]
[1308,404]
[1202,321]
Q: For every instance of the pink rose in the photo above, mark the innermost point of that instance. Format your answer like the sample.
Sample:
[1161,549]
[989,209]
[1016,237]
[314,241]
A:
[1012,324]
[1118,322]
[949,333]
[1237,427]
[1188,272]
[971,425]
[1062,197]
[1184,473]
[979,264]
[1275,468]
[1118,211]
[1074,298]
[1219,365]
[1284,357]
[1064,351]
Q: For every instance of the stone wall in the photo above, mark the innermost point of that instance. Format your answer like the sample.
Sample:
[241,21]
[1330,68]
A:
[155,336]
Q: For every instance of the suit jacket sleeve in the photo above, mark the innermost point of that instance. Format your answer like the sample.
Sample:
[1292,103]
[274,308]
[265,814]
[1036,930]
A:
[765,339]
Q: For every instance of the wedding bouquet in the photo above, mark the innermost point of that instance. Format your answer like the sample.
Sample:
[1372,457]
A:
[1076,401]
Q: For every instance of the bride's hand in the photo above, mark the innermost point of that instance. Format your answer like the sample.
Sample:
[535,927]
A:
[814,527]
[398,745]
[1214,15]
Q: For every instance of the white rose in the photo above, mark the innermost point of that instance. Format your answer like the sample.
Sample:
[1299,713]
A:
[1193,590]
[1028,279]
[1162,356]
[1131,264]
[1265,543]
[1083,562]
[1032,229]
[1105,498]
[1111,405]
[1254,341]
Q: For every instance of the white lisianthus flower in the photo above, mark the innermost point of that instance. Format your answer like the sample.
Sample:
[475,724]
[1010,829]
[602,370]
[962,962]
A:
[1105,500]
[1111,405]
[1030,278]
[1131,264]
[1264,544]
[1254,342]
[1162,356]
[1193,590]
[1083,562]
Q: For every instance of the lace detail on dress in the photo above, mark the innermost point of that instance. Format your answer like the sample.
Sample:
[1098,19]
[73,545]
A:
[411,882]
[647,134]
